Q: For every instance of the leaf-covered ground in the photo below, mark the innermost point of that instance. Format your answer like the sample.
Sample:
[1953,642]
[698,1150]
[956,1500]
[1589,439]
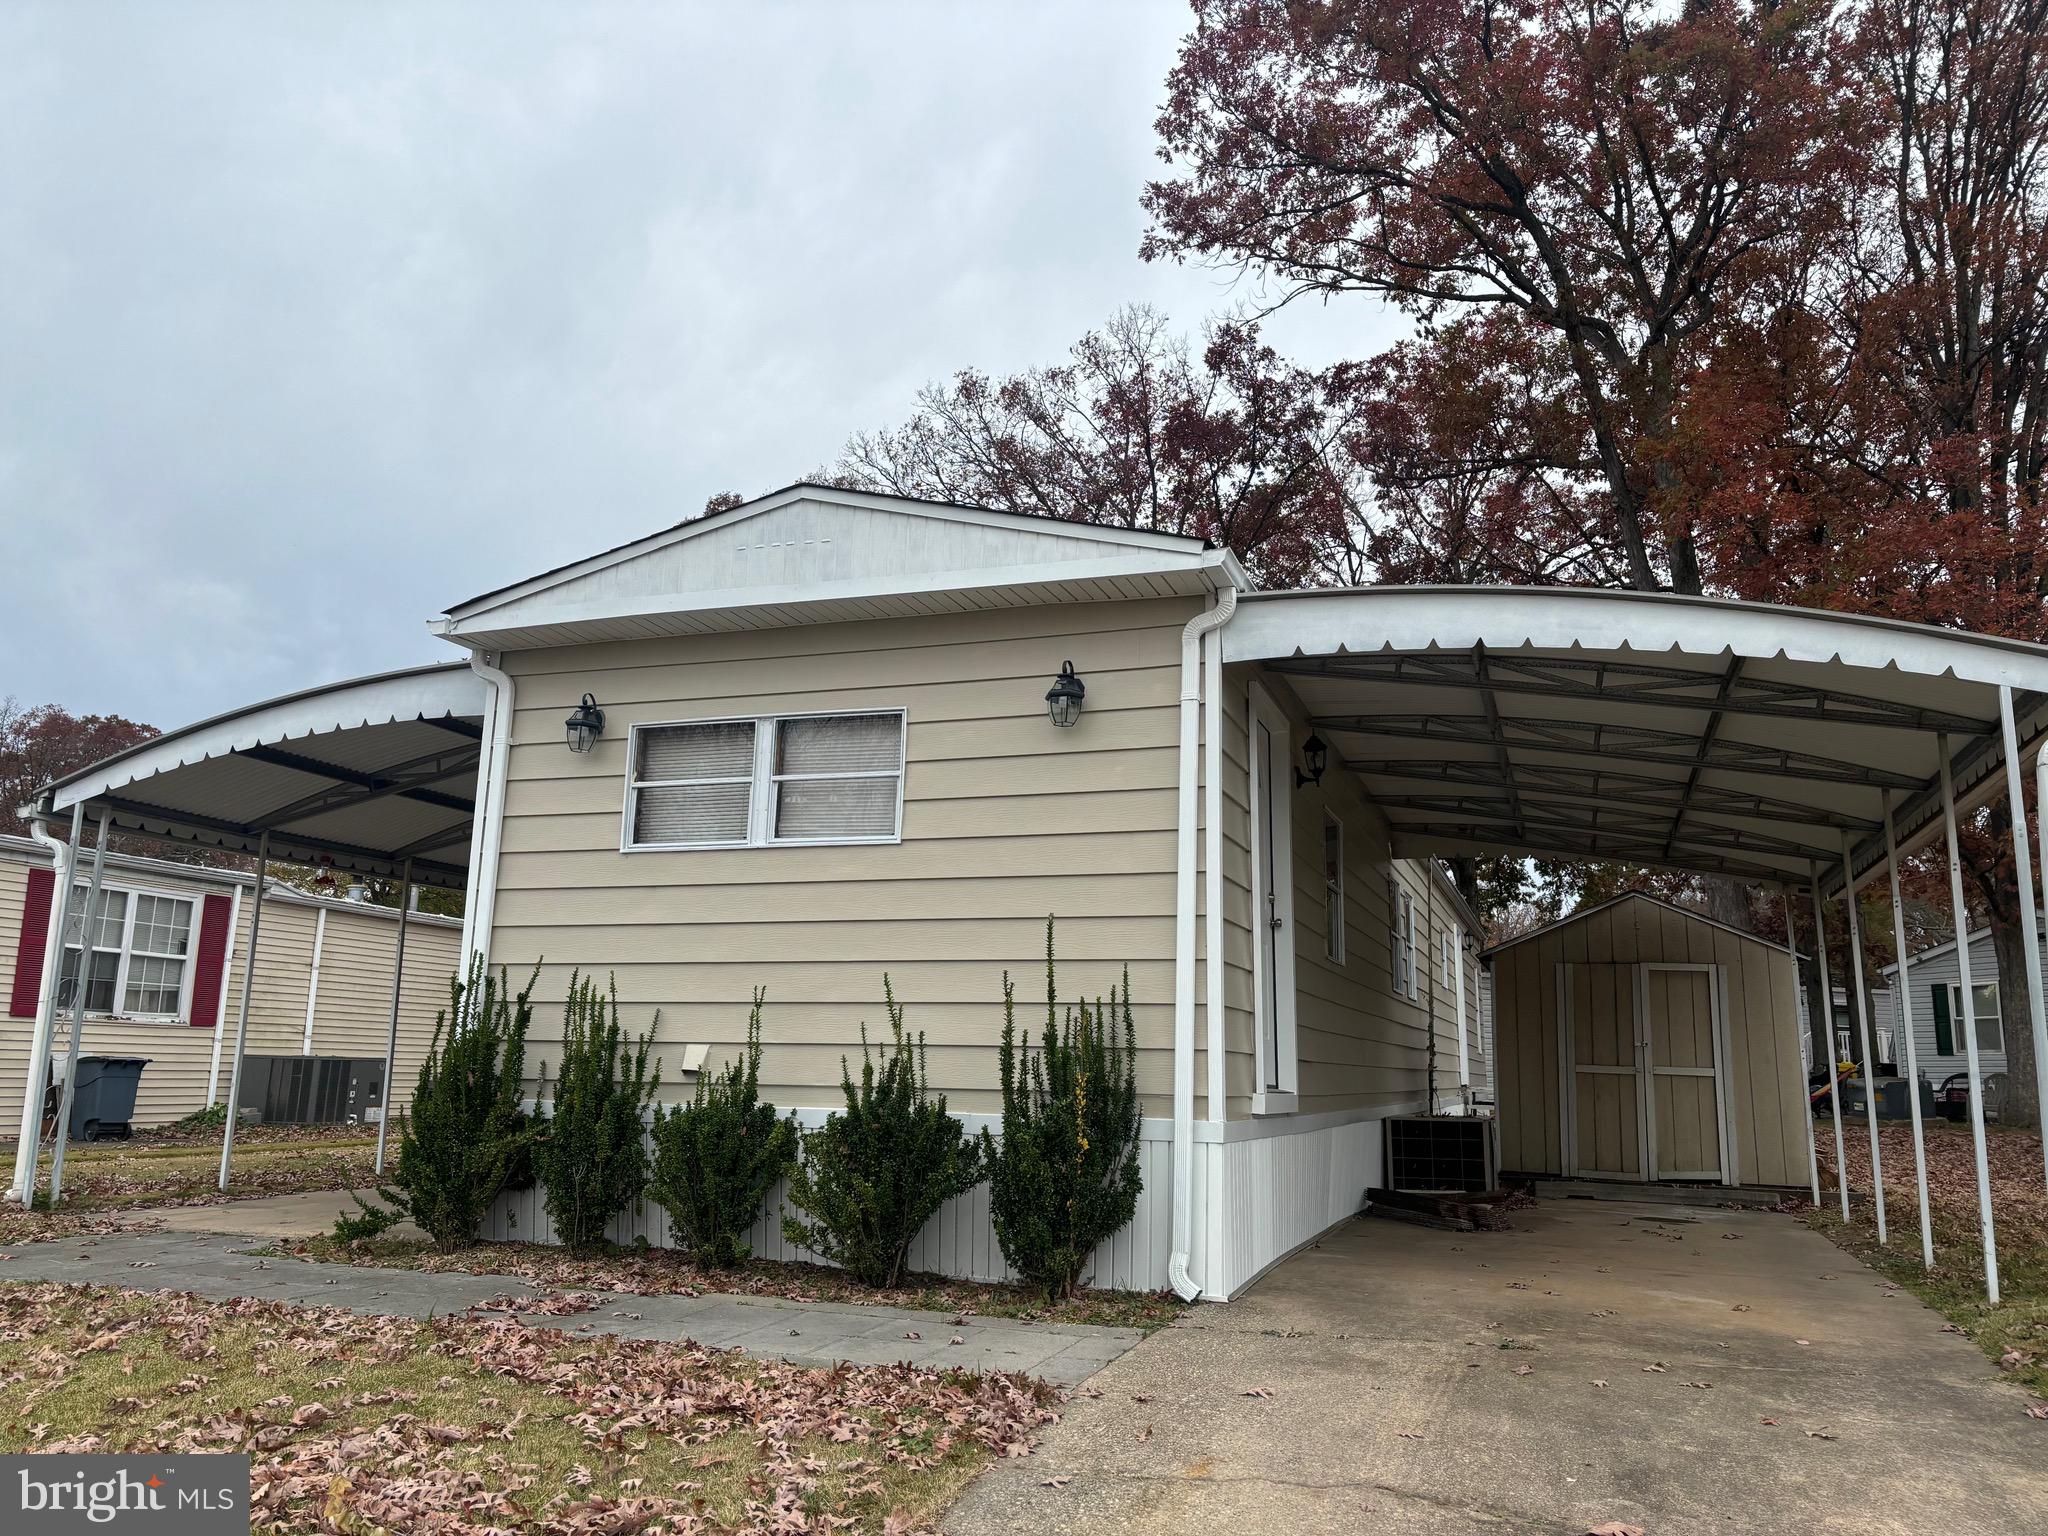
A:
[665,1272]
[2015,1332]
[171,1168]
[359,1424]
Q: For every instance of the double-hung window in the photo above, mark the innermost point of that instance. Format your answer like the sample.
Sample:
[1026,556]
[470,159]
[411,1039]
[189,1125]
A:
[766,781]
[1333,888]
[140,941]
[1401,922]
[1990,1027]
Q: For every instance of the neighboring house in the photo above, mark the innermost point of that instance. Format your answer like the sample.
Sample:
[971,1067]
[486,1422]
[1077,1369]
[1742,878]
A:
[828,736]
[166,977]
[1934,978]
[1653,1043]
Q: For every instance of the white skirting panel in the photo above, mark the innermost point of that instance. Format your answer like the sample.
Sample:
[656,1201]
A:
[959,1241]
[1272,1185]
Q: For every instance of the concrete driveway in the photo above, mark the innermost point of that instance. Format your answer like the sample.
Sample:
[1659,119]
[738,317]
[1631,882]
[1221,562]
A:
[1431,1381]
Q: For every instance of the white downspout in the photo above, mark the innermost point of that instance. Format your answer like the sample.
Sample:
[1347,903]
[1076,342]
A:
[1184,941]
[488,828]
[313,979]
[46,1011]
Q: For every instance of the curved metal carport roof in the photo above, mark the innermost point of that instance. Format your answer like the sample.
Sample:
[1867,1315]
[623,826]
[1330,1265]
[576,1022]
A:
[1693,733]
[364,775]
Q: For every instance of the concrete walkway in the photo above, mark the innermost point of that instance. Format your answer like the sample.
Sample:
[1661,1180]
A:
[1678,1370]
[802,1332]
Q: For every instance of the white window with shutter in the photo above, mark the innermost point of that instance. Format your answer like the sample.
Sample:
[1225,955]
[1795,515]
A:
[140,942]
[765,782]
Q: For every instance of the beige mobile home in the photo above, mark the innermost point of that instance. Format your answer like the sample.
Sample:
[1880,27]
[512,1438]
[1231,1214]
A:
[168,960]
[827,735]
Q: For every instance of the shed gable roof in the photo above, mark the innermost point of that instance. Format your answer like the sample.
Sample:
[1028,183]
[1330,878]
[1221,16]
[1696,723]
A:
[1614,901]
[811,553]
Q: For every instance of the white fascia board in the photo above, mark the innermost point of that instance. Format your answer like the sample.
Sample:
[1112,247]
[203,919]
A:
[1216,567]
[1165,544]
[427,694]
[1365,620]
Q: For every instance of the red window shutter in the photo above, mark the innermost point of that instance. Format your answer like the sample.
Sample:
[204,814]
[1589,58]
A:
[35,932]
[212,958]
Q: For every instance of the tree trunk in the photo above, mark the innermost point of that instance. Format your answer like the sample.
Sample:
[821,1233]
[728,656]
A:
[2016,1023]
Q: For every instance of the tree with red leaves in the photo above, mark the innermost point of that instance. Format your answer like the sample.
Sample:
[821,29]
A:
[1138,430]
[48,741]
[1594,189]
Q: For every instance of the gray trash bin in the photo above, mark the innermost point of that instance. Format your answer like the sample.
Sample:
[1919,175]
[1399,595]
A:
[104,1100]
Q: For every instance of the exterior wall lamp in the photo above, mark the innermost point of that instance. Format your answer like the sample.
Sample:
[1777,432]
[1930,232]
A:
[1063,698]
[586,725]
[1315,757]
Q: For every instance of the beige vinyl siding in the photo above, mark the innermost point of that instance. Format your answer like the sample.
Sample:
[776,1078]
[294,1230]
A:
[1764,1081]
[353,1003]
[1006,819]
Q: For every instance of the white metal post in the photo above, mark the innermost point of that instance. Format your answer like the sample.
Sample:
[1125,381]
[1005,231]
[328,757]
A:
[2023,872]
[391,1039]
[1805,1086]
[44,1028]
[227,1139]
[86,934]
[1827,1026]
[1962,922]
[1863,1033]
[1904,1020]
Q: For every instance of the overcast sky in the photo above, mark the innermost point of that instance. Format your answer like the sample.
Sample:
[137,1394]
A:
[315,319]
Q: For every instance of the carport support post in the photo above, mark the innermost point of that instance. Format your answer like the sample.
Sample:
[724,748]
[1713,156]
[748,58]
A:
[1962,921]
[391,1039]
[2023,872]
[227,1138]
[43,1032]
[1806,1091]
[1827,1005]
[1863,1033]
[86,935]
[1904,1021]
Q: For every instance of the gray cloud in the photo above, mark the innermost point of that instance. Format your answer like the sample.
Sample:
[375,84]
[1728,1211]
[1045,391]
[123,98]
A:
[317,318]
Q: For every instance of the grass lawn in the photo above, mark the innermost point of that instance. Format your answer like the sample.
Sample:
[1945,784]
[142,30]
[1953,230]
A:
[2015,1332]
[665,1272]
[176,1168]
[360,1424]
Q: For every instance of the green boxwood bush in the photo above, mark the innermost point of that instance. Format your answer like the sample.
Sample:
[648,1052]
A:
[717,1157]
[1065,1175]
[872,1175]
[590,1141]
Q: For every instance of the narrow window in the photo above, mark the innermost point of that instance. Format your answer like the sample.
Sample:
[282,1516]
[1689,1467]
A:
[1333,888]
[1990,1027]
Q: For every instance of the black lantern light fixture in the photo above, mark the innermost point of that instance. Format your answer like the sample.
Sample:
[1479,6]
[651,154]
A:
[1063,698]
[586,725]
[1315,757]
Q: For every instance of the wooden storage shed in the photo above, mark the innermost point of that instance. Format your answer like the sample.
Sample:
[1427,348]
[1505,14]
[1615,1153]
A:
[1683,1040]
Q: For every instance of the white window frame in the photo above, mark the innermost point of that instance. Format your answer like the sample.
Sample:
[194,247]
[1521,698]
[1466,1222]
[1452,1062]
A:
[196,900]
[1333,891]
[763,781]
[1956,1017]
[1401,933]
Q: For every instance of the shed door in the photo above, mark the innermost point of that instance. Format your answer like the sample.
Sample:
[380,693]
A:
[1604,1122]
[1682,1030]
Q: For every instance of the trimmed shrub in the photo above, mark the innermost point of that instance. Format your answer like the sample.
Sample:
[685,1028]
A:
[717,1157]
[590,1142]
[465,1136]
[1065,1176]
[372,1220]
[873,1173]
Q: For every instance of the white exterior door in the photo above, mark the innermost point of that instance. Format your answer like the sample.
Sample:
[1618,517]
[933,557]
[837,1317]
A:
[1272,904]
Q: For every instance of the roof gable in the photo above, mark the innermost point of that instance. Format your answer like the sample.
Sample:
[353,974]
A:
[813,553]
[1614,901]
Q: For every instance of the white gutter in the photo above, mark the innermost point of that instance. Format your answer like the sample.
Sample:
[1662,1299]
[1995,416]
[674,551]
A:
[487,830]
[1184,940]
[44,1026]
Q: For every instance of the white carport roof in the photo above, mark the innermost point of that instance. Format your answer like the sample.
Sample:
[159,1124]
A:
[1691,733]
[363,775]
